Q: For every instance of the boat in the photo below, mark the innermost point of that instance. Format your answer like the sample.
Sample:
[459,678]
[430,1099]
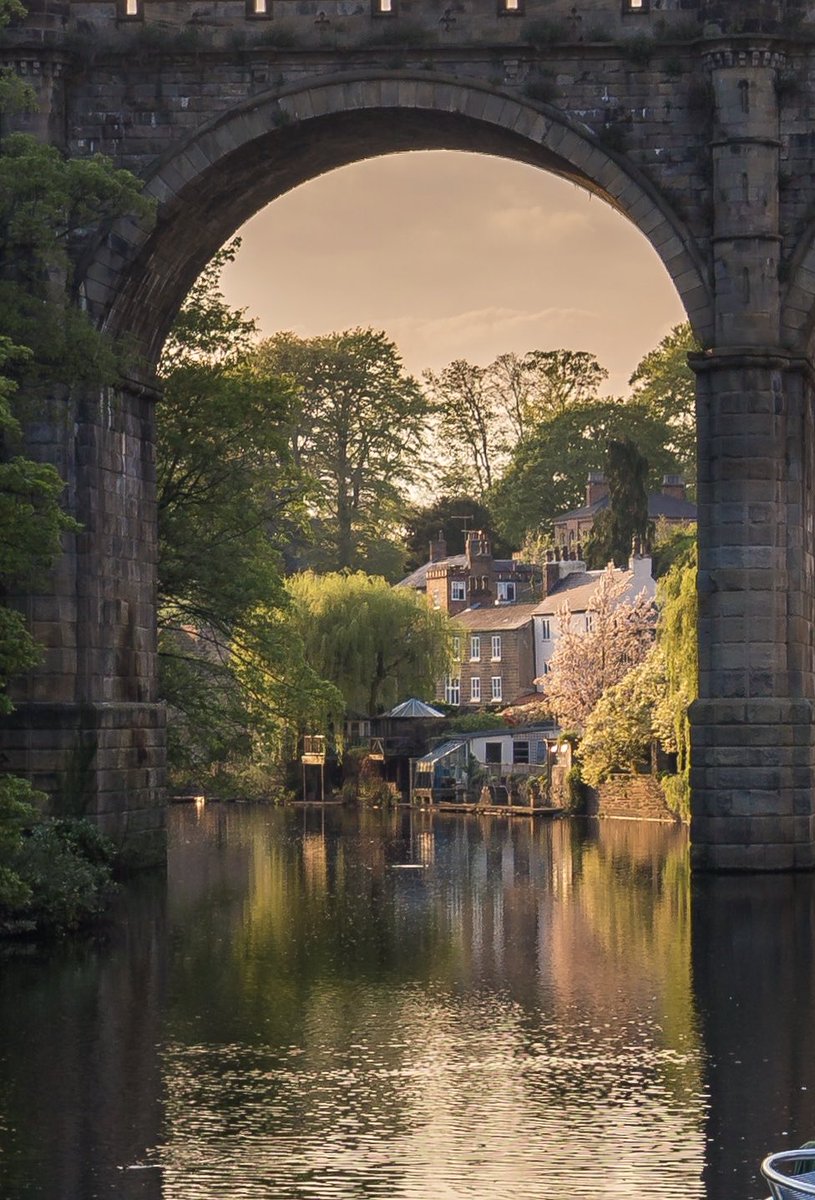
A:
[791,1173]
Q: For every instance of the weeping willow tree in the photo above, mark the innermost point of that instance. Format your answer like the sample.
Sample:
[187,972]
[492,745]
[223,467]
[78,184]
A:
[376,643]
[676,597]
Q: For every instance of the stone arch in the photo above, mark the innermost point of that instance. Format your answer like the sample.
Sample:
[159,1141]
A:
[243,159]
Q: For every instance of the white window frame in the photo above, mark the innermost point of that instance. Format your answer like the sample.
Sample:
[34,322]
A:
[458,589]
[546,629]
[589,622]
[452,690]
[456,647]
[475,647]
[475,689]
[506,590]
[497,687]
[496,647]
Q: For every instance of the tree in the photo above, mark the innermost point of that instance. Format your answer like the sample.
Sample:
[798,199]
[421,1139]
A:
[586,663]
[677,634]
[450,515]
[664,384]
[376,643]
[547,472]
[471,436]
[625,520]
[542,383]
[620,729]
[229,497]
[357,429]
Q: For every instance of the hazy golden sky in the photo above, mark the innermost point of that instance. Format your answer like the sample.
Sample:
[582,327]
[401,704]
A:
[456,256]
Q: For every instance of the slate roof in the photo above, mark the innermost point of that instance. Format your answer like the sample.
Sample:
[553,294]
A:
[659,505]
[413,708]
[494,618]
[418,578]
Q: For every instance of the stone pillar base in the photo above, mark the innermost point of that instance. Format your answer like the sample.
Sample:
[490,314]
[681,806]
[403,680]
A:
[103,761]
[752,783]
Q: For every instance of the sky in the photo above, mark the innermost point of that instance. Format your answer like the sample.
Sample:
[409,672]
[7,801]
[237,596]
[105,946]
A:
[455,256]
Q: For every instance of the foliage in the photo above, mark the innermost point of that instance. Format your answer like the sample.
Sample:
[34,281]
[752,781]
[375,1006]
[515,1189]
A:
[229,498]
[376,643]
[677,632]
[620,728]
[547,472]
[472,722]
[483,412]
[664,384]
[672,544]
[451,515]
[586,663]
[356,430]
[625,520]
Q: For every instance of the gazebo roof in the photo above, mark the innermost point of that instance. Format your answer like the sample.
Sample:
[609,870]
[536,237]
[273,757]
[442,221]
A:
[414,708]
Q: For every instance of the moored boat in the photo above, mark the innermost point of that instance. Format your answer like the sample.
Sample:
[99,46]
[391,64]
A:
[791,1173]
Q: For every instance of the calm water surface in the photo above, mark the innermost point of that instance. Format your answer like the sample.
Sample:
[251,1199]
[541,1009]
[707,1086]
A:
[330,1004]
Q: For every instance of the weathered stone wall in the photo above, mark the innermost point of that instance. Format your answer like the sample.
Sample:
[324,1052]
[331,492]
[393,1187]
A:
[630,796]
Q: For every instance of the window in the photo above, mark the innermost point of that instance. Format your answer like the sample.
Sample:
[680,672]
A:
[589,622]
[452,690]
[493,752]
[506,591]
[510,7]
[546,629]
[475,688]
[457,648]
[520,752]
[497,689]
[131,10]
[545,669]
[475,648]
[258,8]
[458,589]
[636,6]
[383,8]
[436,600]
[541,753]
[496,647]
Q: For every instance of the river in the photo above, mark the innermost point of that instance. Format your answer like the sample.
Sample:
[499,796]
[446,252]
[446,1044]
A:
[326,1003]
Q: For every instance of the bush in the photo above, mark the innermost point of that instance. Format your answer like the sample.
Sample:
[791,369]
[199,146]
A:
[58,876]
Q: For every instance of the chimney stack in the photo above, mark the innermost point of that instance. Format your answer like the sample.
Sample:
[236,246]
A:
[673,485]
[438,548]
[596,487]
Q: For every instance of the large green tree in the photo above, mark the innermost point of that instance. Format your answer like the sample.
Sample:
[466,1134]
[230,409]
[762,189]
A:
[547,472]
[378,644]
[357,431]
[625,520]
[229,499]
[664,384]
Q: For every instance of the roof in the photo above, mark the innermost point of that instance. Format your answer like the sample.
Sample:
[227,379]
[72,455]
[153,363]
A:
[442,751]
[579,588]
[495,617]
[413,708]
[659,505]
[418,578]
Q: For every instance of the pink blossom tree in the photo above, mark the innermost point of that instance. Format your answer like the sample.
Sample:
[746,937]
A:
[586,663]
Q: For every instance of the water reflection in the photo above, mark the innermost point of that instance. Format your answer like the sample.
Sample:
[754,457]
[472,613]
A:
[414,1006]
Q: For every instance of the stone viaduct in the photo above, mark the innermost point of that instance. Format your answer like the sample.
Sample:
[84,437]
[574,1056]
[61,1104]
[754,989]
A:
[693,119]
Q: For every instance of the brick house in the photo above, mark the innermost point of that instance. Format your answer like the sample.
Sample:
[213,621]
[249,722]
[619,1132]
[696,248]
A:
[491,601]
[669,506]
[493,655]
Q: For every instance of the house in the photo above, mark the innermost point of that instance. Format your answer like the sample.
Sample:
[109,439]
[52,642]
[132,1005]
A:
[493,656]
[457,582]
[669,506]
[566,580]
